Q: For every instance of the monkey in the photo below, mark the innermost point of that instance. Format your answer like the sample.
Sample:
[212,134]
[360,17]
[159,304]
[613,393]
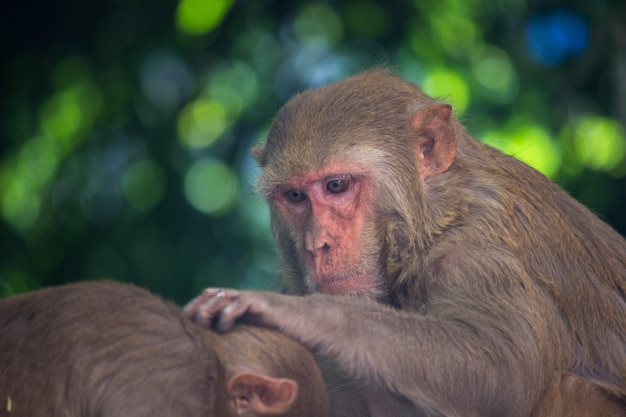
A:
[430,273]
[114,349]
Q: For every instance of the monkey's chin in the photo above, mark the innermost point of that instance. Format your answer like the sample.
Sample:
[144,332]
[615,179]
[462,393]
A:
[360,284]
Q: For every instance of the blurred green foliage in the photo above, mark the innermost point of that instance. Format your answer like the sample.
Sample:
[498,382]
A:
[126,124]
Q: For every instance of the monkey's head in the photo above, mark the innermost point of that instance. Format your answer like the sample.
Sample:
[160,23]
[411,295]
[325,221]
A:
[343,169]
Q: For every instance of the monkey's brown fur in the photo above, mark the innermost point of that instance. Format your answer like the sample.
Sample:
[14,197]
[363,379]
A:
[488,279]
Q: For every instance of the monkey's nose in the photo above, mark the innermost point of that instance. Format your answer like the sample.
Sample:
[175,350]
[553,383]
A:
[311,246]
[321,250]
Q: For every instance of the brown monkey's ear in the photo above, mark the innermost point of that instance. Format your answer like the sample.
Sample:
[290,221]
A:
[253,394]
[436,141]
[258,153]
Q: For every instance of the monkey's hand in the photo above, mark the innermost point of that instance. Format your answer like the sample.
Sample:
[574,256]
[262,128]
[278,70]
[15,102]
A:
[219,309]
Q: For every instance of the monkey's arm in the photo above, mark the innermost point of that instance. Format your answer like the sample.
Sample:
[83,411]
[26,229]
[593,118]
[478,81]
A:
[471,350]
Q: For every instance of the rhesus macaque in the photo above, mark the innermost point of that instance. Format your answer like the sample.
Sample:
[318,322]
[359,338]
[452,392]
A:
[434,274]
[112,349]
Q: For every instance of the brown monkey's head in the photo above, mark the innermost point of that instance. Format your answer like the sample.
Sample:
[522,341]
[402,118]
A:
[343,169]
[270,374]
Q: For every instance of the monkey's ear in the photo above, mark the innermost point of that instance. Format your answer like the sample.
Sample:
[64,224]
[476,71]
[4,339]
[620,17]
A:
[254,394]
[258,153]
[436,141]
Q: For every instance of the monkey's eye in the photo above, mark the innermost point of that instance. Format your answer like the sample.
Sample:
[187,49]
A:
[337,186]
[295,196]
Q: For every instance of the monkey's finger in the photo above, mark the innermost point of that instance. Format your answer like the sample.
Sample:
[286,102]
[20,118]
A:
[208,313]
[233,311]
[191,309]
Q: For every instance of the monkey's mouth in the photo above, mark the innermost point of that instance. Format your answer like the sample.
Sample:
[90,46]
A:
[343,284]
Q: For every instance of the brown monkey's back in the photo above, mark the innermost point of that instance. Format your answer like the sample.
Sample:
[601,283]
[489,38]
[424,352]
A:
[578,260]
[89,349]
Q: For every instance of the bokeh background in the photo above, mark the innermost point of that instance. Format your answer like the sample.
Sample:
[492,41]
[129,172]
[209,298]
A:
[125,124]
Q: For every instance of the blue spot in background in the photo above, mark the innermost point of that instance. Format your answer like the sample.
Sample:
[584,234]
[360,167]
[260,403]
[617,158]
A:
[557,35]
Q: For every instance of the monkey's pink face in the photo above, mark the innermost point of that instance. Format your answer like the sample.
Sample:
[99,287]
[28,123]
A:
[330,209]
